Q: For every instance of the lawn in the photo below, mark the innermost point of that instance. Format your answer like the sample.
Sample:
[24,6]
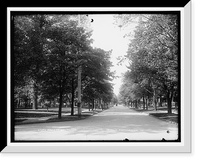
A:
[165,116]
[32,115]
[161,113]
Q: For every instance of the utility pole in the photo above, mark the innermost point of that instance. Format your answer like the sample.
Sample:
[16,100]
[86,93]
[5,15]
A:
[79,79]
[79,76]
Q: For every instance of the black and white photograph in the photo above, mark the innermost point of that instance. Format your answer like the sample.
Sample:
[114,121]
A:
[95,76]
[98,79]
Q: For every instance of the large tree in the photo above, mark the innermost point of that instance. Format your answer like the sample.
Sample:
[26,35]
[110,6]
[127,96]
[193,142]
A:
[29,39]
[153,53]
[49,49]
[67,44]
[97,76]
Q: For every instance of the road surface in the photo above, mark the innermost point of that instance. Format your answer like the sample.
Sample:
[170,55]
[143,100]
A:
[116,123]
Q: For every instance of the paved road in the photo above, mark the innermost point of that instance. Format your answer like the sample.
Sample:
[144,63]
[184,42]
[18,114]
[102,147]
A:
[116,123]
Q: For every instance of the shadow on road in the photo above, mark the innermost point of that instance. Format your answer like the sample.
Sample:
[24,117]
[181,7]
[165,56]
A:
[116,123]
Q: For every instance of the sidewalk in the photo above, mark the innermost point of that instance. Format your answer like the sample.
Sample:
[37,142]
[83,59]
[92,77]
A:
[54,117]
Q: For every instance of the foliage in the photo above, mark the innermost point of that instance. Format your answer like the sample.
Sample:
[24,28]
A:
[153,55]
[48,49]
[97,76]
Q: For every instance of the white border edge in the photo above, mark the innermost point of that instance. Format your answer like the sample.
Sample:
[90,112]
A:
[81,147]
[8,77]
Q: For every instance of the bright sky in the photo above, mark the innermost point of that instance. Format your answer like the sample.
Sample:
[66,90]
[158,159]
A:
[108,36]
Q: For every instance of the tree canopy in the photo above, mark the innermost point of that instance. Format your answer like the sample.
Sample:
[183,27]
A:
[153,55]
[48,49]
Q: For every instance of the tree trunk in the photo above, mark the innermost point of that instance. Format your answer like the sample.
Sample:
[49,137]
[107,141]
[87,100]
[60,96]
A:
[93,104]
[72,99]
[136,105]
[54,103]
[60,100]
[160,103]
[131,104]
[147,104]
[169,102]
[60,105]
[72,104]
[29,104]
[35,96]
[100,106]
[89,106]
[154,99]
[18,103]
[35,105]
[25,103]
[143,102]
